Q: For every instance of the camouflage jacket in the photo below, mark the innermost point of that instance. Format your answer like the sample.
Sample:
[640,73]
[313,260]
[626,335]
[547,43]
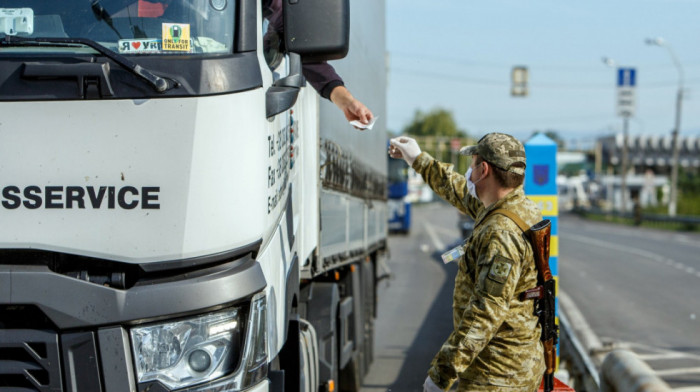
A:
[496,338]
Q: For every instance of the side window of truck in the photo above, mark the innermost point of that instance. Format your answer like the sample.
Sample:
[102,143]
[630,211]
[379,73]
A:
[272,33]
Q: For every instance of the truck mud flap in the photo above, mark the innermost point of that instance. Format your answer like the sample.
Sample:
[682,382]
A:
[321,300]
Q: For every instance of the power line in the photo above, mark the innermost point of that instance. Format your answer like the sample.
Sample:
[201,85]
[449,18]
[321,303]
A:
[545,85]
[560,67]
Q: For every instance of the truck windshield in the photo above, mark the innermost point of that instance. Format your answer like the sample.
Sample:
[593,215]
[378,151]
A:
[129,27]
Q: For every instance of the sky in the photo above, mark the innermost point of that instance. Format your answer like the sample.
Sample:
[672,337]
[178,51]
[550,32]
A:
[458,55]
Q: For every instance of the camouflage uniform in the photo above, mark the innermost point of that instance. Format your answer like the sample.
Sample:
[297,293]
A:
[495,345]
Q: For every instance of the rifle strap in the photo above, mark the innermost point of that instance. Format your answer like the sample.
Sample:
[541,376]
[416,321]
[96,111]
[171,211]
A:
[514,217]
[536,292]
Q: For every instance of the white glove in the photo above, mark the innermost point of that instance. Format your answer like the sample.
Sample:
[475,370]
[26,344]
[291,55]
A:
[404,147]
[429,386]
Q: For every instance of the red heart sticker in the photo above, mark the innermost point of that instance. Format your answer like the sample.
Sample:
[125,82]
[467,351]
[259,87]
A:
[136,45]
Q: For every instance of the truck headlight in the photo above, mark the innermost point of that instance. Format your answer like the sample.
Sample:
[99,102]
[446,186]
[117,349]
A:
[190,351]
[204,349]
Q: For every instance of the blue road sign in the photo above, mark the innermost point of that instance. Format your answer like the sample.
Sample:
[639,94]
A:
[626,77]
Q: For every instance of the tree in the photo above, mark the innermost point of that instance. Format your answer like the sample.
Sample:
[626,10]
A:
[438,122]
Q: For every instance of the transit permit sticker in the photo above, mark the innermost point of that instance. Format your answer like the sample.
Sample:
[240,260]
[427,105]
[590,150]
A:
[453,254]
[136,46]
[176,37]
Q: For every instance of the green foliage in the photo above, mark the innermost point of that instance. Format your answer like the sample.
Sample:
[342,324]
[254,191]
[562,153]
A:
[688,192]
[438,122]
[688,181]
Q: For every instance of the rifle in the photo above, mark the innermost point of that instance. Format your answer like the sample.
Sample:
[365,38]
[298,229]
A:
[544,293]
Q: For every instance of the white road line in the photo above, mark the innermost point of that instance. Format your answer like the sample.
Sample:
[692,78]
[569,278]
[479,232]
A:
[637,252]
[449,231]
[659,356]
[687,389]
[687,241]
[656,350]
[676,372]
[433,237]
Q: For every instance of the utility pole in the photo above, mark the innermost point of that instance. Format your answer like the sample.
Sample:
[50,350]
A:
[672,203]
[624,169]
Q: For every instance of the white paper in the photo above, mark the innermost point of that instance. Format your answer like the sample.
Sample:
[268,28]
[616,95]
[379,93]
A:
[358,124]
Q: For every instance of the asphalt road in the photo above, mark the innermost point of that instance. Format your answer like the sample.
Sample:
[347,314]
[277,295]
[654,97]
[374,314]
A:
[637,288]
[415,305]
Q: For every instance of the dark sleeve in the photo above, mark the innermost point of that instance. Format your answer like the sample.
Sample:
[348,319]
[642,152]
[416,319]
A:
[322,77]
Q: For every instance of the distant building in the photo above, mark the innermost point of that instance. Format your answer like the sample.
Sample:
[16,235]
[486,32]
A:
[649,152]
[649,163]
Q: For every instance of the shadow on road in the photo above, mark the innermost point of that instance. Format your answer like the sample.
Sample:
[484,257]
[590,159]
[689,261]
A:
[432,334]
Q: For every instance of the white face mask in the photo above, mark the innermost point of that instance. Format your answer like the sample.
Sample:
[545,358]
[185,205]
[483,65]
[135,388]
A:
[471,186]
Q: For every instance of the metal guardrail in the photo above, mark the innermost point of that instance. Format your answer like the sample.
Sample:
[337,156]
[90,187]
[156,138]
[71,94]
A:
[582,371]
[620,370]
[623,371]
[578,342]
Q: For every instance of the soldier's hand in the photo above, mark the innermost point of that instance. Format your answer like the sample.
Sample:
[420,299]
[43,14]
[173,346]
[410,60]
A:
[404,147]
[429,386]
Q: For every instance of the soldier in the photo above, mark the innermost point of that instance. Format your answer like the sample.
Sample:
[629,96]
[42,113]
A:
[495,344]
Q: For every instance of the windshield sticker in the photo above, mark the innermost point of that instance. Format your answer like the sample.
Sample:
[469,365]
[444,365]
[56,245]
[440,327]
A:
[16,20]
[176,36]
[149,45]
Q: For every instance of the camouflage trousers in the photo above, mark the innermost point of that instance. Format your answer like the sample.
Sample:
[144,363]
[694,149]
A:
[465,386]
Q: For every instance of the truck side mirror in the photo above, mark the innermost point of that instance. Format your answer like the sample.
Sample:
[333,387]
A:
[317,29]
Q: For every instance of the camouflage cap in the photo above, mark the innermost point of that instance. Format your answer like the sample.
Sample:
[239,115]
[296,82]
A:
[499,149]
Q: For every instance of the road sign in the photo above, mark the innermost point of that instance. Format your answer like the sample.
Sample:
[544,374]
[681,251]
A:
[519,76]
[626,98]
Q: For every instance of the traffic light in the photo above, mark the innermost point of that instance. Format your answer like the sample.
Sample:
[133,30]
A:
[519,78]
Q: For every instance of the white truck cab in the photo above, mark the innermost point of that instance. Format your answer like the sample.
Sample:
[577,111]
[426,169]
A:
[176,214]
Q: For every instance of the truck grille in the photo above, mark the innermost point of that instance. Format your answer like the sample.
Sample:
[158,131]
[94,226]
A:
[29,361]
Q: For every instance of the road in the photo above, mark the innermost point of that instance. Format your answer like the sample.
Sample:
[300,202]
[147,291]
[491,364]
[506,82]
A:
[638,288]
[415,305]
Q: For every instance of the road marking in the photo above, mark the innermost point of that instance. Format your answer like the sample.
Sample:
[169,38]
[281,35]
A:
[687,241]
[645,347]
[433,237]
[687,389]
[676,372]
[690,240]
[661,356]
[638,252]
[445,230]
